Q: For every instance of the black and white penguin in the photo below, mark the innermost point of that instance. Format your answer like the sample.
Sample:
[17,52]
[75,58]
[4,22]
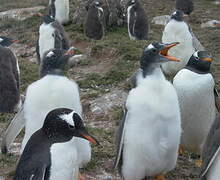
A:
[94,25]
[195,89]
[9,78]
[137,21]
[178,31]
[59,9]
[51,152]
[211,153]
[52,91]
[185,5]
[51,35]
[149,135]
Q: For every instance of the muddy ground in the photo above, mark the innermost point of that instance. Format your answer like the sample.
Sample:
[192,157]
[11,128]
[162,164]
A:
[103,76]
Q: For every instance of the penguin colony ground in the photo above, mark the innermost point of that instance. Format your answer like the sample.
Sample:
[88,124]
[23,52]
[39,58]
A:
[161,117]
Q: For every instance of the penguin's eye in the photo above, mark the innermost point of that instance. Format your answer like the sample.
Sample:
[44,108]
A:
[71,127]
[154,50]
[196,57]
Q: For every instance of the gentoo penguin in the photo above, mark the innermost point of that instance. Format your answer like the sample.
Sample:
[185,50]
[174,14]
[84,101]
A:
[52,91]
[149,133]
[9,78]
[211,153]
[185,5]
[59,9]
[94,25]
[178,31]
[195,89]
[51,35]
[51,153]
[137,21]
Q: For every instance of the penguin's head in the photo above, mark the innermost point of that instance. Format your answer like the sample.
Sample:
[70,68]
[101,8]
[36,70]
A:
[48,19]
[131,2]
[177,15]
[157,53]
[201,61]
[63,124]
[5,41]
[55,61]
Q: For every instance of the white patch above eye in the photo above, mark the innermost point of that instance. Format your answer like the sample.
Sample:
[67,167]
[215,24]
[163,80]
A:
[99,8]
[97,3]
[68,118]
[196,54]
[151,46]
[133,1]
[175,13]
[51,53]
[1,39]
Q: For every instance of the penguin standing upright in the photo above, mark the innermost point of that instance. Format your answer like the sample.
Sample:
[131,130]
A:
[149,133]
[195,89]
[59,9]
[185,5]
[51,153]
[52,91]
[137,21]
[51,35]
[9,78]
[178,31]
[94,25]
[211,153]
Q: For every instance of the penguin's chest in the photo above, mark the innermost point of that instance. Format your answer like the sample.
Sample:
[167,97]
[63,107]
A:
[62,10]
[46,39]
[131,22]
[63,161]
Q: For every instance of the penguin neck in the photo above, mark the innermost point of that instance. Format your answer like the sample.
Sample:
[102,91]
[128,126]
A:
[198,67]
[56,72]
[152,70]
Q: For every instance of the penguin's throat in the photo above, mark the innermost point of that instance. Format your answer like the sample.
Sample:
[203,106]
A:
[151,69]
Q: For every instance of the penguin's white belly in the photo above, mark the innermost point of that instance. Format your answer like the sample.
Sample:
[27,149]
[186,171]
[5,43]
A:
[62,11]
[152,131]
[177,32]
[129,24]
[46,39]
[214,173]
[64,161]
[45,95]
[197,106]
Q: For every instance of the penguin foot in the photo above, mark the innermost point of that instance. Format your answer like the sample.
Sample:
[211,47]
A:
[81,177]
[159,177]
[198,163]
[181,150]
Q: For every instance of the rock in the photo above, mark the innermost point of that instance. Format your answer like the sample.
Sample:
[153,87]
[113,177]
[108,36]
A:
[73,61]
[21,14]
[210,23]
[217,2]
[161,20]
[105,103]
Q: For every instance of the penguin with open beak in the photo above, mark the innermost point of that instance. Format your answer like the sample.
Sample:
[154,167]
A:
[51,35]
[9,78]
[59,10]
[196,92]
[149,133]
[177,30]
[51,151]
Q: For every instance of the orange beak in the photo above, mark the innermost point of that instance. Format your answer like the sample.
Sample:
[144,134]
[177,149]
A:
[217,24]
[207,59]
[70,52]
[90,139]
[164,51]
[15,41]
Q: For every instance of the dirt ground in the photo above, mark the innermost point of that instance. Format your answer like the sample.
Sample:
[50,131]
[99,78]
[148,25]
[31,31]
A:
[103,76]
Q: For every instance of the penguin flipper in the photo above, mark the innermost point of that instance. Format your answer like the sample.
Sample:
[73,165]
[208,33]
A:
[217,99]
[13,130]
[211,147]
[196,43]
[120,141]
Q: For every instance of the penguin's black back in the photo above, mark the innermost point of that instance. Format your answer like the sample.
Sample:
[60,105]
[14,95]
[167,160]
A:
[9,81]
[36,159]
[184,5]
[94,24]
[139,22]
